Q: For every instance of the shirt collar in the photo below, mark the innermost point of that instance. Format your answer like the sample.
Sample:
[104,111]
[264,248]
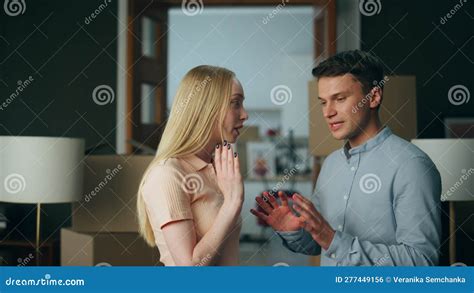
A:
[369,144]
[195,162]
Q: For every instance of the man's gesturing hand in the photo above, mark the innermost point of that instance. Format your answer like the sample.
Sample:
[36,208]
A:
[278,216]
[314,223]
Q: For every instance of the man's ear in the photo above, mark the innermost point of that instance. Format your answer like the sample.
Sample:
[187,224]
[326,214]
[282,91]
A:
[375,97]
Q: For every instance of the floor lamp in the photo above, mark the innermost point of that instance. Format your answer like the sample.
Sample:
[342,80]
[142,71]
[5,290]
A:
[454,159]
[40,170]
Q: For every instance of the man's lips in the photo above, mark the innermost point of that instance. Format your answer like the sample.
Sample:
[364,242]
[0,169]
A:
[335,125]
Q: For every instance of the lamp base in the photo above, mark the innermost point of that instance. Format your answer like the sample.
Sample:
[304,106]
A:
[452,233]
[38,225]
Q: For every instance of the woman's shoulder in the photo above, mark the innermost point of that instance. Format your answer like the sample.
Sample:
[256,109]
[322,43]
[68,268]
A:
[162,175]
[169,163]
[165,166]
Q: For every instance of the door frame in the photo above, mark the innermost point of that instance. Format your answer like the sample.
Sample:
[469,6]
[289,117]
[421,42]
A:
[325,46]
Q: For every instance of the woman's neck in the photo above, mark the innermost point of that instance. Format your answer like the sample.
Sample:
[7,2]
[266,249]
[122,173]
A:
[206,153]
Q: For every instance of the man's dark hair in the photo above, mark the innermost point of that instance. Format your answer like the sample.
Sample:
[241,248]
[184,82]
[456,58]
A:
[364,66]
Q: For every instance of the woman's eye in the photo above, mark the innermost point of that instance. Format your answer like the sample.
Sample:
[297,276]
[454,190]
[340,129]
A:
[236,103]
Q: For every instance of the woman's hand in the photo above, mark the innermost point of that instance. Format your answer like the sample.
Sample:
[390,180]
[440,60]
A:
[228,174]
[279,217]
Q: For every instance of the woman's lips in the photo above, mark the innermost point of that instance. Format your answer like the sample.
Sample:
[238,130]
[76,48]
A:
[236,130]
[335,126]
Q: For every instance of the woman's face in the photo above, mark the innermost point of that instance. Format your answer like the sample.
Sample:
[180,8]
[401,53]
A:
[236,115]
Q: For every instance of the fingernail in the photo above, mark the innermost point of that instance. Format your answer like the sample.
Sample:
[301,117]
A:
[217,146]
[225,142]
[235,155]
[228,146]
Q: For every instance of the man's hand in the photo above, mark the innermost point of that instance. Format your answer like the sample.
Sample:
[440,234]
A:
[279,217]
[314,223]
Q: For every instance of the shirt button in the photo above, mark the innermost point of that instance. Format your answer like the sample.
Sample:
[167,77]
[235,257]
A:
[345,197]
[353,168]
[340,227]
[333,255]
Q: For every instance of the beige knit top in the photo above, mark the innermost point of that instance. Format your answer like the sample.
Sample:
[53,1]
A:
[186,188]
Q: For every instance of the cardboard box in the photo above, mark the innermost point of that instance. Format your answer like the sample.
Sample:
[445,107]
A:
[398,111]
[106,249]
[110,192]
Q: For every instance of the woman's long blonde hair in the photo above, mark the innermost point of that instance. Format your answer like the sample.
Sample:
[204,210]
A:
[200,104]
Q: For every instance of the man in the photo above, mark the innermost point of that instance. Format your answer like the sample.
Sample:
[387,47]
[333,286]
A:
[375,201]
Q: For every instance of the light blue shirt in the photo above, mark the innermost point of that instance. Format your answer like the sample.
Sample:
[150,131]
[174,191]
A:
[382,198]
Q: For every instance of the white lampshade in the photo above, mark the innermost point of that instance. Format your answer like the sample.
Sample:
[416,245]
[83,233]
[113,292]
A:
[41,169]
[454,159]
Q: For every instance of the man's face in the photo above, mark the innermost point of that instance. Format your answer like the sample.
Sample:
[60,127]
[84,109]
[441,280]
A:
[344,107]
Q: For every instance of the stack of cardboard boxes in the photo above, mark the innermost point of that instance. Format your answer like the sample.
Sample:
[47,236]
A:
[104,228]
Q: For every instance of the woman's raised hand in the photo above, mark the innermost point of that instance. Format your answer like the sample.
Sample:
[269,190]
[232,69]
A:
[229,179]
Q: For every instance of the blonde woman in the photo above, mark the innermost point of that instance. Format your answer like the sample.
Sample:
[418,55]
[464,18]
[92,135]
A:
[189,201]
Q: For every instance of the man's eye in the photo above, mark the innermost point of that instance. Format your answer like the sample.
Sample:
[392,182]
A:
[341,99]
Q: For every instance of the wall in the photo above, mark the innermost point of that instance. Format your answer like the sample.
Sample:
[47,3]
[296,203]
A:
[67,57]
[411,38]
[263,51]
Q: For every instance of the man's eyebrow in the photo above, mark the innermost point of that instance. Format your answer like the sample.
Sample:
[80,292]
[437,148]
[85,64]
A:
[333,96]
